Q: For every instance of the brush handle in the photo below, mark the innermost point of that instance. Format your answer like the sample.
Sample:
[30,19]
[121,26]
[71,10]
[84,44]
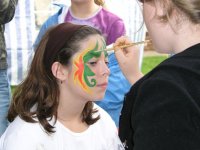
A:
[128,45]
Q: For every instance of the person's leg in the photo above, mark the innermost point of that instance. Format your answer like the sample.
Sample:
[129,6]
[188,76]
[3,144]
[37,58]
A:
[5,94]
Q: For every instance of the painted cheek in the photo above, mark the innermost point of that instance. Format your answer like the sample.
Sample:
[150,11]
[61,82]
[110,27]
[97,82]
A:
[79,73]
[83,74]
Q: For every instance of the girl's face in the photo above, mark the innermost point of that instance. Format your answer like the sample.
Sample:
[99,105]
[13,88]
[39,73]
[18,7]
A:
[160,32]
[89,73]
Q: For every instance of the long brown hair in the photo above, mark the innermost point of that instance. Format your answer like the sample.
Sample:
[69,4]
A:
[38,95]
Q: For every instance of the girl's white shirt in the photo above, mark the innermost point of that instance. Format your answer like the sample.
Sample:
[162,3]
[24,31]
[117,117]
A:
[21,135]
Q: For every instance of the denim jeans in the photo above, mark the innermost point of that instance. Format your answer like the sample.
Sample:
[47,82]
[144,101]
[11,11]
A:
[5,95]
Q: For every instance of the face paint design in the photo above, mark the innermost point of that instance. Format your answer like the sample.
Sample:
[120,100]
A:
[82,70]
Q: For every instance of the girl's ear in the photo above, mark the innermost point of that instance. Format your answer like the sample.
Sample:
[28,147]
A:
[59,71]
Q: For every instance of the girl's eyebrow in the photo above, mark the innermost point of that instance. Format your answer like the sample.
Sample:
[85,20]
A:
[94,53]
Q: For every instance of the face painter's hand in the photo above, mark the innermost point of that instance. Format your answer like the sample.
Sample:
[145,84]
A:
[128,59]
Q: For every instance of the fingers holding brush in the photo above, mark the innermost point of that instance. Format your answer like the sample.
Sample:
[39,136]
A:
[128,58]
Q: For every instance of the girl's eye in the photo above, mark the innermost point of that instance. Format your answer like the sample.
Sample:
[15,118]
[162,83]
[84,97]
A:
[107,63]
[92,63]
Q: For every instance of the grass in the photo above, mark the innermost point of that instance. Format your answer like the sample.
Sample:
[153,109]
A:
[13,88]
[149,62]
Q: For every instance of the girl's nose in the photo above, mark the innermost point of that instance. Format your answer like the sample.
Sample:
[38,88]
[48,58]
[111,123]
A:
[105,69]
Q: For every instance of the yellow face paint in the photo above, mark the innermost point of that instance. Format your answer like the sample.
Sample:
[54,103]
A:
[82,70]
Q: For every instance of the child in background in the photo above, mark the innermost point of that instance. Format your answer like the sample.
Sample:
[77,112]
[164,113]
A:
[52,109]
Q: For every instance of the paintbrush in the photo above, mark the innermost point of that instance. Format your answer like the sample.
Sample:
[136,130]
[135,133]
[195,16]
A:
[127,45]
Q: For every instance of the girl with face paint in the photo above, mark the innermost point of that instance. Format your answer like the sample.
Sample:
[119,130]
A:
[52,108]
[93,13]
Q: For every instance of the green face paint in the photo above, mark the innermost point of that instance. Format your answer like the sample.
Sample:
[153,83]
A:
[83,70]
[88,56]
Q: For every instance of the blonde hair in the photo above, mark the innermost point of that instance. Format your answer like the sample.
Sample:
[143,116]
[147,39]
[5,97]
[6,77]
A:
[190,8]
[100,2]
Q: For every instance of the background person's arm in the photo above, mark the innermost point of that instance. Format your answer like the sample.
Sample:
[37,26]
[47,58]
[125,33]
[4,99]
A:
[3,5]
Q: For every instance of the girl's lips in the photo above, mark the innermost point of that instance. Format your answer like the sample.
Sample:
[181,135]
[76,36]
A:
[103,85]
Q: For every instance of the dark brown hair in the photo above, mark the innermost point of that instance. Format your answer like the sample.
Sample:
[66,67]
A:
[37,96]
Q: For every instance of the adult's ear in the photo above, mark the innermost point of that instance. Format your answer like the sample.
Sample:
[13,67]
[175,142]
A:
[59,71]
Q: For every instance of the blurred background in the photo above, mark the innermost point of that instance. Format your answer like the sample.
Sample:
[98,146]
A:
[21,32]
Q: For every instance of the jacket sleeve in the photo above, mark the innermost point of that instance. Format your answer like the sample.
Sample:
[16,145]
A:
[165,117]
[7,10]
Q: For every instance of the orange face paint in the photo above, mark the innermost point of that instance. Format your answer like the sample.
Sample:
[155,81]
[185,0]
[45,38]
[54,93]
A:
[82,70]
